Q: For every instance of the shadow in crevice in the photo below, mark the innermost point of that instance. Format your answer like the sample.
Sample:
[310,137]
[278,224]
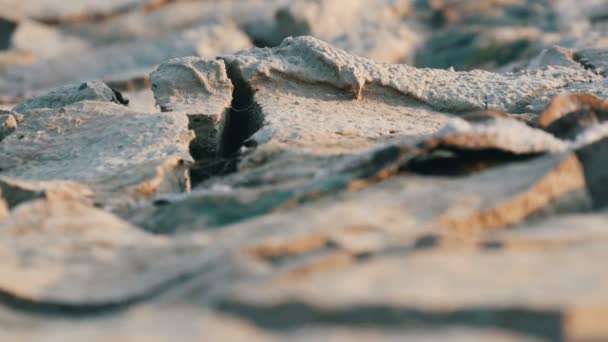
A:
[241,121]
[7,28]
[244,117]
[87,310]
[294,315]
[461,162]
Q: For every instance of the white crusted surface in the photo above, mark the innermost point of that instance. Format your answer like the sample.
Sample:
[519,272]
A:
[322,120]
[503,134]
[193,85]
[112,148]
[311,60]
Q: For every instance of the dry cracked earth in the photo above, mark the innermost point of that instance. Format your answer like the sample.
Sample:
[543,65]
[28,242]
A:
[303,170]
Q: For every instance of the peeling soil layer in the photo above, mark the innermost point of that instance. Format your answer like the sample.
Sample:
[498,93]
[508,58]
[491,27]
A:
[304,170]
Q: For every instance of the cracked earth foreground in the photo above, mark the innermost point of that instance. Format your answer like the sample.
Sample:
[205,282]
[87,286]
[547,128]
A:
[304,170]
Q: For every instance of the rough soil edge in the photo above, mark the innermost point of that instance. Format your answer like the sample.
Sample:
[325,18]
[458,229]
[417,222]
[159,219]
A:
[567,177]
[563,104]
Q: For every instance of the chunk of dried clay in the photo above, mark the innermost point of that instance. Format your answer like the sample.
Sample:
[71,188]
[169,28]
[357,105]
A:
[103,145]
[90,257]
[201,89]
[299,98]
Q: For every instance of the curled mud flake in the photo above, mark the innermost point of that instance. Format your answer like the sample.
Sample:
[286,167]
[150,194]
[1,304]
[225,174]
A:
[564,104]
[480,141]
[570,115]
[563,177]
